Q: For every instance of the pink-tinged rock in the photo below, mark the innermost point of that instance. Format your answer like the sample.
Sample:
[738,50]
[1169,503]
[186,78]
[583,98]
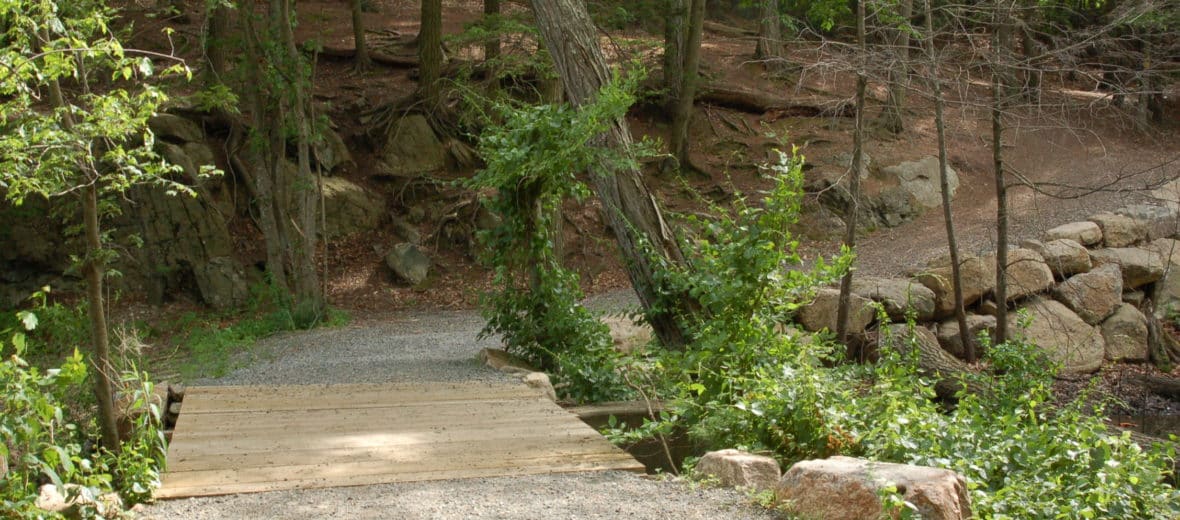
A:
[846,488]
[736,468]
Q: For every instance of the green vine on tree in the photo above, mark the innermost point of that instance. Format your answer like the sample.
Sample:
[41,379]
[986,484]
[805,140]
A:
[533,160]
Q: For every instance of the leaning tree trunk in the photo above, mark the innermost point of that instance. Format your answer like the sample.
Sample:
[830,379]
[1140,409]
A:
[688,85]
[944,187]
[674,43]
[845,300]
[358,36]
[430,55]
[646,241]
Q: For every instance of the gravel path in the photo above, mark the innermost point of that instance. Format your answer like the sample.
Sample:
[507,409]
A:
[411,348]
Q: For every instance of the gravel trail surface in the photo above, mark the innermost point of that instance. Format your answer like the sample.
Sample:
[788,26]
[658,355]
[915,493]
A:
[438,347]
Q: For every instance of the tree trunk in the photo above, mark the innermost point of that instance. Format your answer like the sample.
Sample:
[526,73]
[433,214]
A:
[645,239]
[430,55]
[674,44]
[944,187]
[891,114]
[1000,43]
[219,26]
[770,37]
[95,267]
[745,100]
[845,300]
[491,48]
[94,270]
[303,237]
[684,103]
[358,36]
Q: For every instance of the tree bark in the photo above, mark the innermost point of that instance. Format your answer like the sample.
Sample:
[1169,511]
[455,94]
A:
[94,270]
[358,36]
[491,48]
[219,26]
[674,43]
[303,238]
[95,267]
[430,56]
[944,187]
[688,84]
[630,208]
[770,37]
[891,114]
[745,100]
[845,299]
[1000,43]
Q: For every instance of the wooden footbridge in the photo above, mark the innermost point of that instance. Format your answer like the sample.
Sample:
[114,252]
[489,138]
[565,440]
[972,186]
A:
[243,439]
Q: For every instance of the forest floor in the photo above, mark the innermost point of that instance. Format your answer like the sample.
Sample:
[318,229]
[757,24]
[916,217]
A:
[1089,144]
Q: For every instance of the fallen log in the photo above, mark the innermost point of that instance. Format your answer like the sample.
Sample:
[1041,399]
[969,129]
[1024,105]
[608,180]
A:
[952,374]
[1160,385]
[377,56]
[728,30]
[746,100]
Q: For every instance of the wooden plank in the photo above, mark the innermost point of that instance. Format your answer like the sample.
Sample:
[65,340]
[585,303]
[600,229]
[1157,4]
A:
[389,478]
[249,439]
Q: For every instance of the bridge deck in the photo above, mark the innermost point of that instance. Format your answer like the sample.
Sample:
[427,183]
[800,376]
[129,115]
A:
[244,439]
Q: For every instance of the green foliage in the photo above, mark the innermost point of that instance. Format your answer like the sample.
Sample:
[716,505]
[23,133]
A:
[44,430]
[210,344]
[532,158]
[95,137]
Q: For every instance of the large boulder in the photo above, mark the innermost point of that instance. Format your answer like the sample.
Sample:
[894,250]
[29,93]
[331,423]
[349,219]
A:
[1086,233]
[1064,256]
[894,195]
[1062,336]
[1119,230]
[920,180]
[408,262]
[1125,334]
[821,314]
[1026,274]
[898,296]
[176,128]
[736,468]
[412,149]
[75,501]
[1166,292]
[950,340]
[329,151]
[1158,221]
[978,276]
[1093,295]
[845,488]
[349,208]
[1139,266]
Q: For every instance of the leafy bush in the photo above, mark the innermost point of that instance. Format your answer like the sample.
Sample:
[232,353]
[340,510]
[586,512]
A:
[744,384]
[45,430]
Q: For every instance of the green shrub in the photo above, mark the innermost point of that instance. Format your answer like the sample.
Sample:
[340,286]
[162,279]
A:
[47,426]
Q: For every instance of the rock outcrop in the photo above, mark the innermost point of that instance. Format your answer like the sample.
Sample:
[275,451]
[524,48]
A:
[820,314]
[899,297]
[1125,334]
[1093,295]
